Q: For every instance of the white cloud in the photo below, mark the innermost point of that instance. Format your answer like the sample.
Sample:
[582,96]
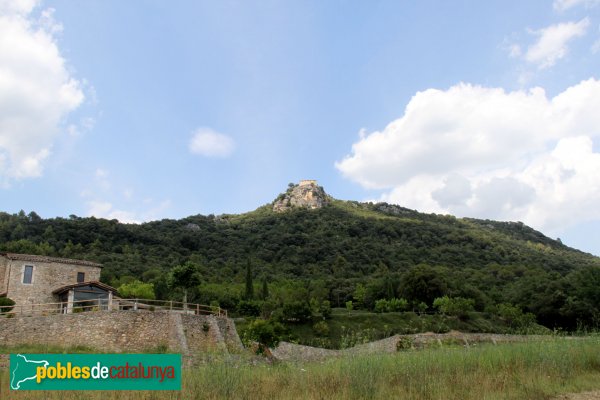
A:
[105,209]
[484,152]
[596,47]
[552,43]
[209,143]
[100,200]
[562,5]
[36,89]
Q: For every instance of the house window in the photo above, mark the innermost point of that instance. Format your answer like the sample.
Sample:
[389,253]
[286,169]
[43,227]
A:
[80,277]
[28,274]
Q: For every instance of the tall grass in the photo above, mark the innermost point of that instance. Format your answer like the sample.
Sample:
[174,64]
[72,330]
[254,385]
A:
[531,370]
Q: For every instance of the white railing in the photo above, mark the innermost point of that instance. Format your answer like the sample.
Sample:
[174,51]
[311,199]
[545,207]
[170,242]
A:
[27,310]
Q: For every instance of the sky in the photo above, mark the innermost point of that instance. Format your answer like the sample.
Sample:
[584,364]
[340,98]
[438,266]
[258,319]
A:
[157,109]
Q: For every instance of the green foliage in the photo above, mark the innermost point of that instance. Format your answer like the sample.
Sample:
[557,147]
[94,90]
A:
[515,317]
[266,333]
[455,306]
[424,283]
[325,309]
[297,311]
[137,290]
[349,305]
[321,328]
[264,294]
[393,305]
[249,293]
[381,306]
[6,304]
[360,294]
[398,304]
[185,276]
[249,307]
[375,251]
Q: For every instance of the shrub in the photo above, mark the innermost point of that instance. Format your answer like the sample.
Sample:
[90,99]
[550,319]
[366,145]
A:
[296,311]
[249,308]
[6,304]
[404,343]
[381,306]
[321,328]
[137,290]
[456,306]
[325,309]
[349,305]
[398,305]
[266,333]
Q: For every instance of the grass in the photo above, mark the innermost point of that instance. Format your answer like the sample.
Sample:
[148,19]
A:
[531,370]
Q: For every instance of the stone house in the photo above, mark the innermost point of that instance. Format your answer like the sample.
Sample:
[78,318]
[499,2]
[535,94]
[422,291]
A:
[30,280]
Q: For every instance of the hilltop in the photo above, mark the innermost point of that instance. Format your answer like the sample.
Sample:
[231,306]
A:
[327,248]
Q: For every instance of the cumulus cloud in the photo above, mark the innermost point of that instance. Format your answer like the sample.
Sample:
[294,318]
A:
[562,5]
[111,200]
[208,143]
[552,43]
[37,91]
[485,152]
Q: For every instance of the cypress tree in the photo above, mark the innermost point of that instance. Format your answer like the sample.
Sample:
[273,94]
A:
[249,284]
[265,289]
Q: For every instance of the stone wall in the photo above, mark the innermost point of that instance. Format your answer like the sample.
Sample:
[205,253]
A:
[47,276]
[3,262]
[123,331]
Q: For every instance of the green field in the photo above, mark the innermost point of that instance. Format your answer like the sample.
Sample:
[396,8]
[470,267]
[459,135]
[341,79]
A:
[531,370]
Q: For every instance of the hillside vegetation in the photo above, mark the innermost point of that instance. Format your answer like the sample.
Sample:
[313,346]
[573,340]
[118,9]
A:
[343,252]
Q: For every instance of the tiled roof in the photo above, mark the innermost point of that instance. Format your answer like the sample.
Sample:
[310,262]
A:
[34,258]
[90,283]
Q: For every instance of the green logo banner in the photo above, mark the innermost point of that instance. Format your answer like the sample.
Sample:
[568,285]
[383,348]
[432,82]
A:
[95,372]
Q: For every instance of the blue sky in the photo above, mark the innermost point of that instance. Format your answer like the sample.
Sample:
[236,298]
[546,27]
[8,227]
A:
[148,110]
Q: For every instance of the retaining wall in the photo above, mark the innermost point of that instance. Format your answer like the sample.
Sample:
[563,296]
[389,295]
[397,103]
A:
[124,331]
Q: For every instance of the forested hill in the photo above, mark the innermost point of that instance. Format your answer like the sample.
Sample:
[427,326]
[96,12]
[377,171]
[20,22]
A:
[347,239]
[340,245]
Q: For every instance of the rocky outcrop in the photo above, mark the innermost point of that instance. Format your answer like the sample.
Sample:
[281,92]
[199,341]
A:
[306,194]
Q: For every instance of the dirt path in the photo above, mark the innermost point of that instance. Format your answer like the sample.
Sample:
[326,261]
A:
[580,396]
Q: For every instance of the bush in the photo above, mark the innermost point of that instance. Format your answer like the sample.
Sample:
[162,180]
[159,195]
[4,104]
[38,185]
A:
[349,305]
[456,306]
[297,311]
[381,306]
[321,328]
[325,309]
[249,308]
[266,333]
[6,304]
[398,305]
[515,317]
[137,290]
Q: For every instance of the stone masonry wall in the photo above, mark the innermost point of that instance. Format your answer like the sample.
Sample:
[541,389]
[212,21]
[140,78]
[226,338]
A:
[3,262]
[119,331]
[47,276]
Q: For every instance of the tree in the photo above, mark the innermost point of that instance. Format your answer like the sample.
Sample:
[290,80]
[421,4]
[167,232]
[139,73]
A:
[360,293]
[249,293]
[456,306]
[423,284]
[184,276]
[266,333]
[265,289]
[137,290]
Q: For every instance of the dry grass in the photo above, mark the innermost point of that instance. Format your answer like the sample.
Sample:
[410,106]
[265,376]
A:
[532,370]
